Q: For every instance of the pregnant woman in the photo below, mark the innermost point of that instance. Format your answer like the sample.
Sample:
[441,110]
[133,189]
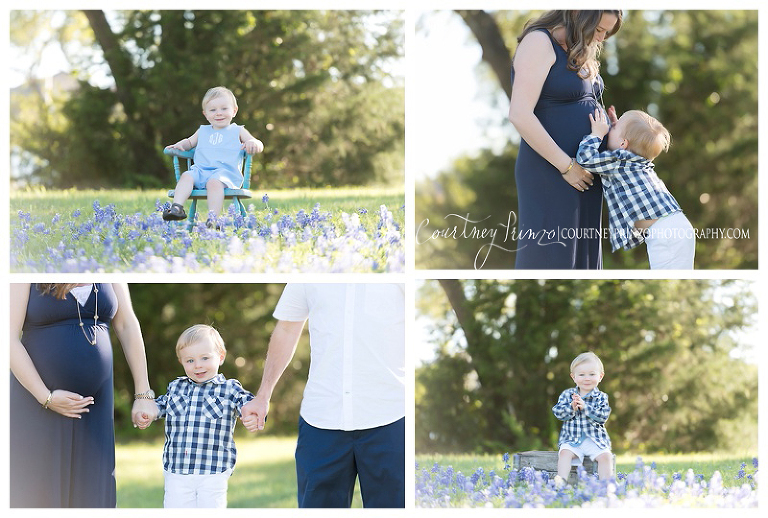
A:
[556,85]
[62,441]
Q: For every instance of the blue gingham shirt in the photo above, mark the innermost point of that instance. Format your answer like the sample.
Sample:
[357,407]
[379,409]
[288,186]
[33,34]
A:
[200,422]
[631,188]
[579,424]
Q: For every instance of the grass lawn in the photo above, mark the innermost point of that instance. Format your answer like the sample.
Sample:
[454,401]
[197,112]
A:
[47,202]
[701,463]
[265,475]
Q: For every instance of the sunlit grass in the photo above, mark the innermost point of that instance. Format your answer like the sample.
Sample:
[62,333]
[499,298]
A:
[265,474]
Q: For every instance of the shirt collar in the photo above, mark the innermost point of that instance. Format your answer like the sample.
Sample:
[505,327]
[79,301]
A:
[589,394]
[217,380]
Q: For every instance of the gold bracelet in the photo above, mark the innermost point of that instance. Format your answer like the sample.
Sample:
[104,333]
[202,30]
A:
[573,161]
[47,401]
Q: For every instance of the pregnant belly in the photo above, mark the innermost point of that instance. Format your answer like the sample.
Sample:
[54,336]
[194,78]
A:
[567,123]
[66,360]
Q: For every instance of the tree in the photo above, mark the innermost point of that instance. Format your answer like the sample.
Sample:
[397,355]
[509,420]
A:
[694,70]
[243,315]
[504,350]
[315,86]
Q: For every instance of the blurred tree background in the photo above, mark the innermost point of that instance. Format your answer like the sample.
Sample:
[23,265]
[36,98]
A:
[321,89]
[677,373]
[243,315]
[694,70]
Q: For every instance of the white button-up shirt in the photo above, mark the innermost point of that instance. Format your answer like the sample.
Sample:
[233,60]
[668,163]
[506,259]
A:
[357,352]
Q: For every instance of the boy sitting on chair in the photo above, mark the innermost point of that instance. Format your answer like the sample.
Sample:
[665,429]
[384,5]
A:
[217,155]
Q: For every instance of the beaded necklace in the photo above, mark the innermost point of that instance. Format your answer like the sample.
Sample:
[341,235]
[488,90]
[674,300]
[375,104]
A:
[91,340]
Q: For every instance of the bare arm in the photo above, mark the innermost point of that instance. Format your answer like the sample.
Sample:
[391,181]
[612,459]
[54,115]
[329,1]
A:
[533,59]
[250,143]
[64,402]
[186,144]
[128,331]
[21,364]
[282,346]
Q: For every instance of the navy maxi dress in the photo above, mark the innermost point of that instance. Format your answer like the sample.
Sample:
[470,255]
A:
[558,226]
[58,461]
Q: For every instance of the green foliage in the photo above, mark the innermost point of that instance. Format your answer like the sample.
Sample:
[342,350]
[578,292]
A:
[312,85]
[243,315]
[666,346]
[694,70]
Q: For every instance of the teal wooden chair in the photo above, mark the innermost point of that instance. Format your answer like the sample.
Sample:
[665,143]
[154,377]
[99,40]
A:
[236,195]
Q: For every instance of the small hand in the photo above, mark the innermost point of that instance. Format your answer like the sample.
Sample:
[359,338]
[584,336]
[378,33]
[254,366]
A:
[144,412]
[254,414]
[253,146]
[599,122]
[612,115]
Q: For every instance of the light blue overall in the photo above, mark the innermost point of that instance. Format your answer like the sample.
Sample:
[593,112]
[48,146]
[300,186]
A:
[217,155]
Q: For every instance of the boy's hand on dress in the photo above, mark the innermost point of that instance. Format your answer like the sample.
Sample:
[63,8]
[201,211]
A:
[612,118]
[599,122]
[253,146]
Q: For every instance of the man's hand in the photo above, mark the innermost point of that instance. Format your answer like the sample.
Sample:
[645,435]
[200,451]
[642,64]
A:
[254,414]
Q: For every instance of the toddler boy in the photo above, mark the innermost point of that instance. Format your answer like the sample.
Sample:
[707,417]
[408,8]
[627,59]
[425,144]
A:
[584,410]
[200,411]
[640,207]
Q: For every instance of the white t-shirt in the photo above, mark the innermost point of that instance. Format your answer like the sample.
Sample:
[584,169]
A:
[357,352]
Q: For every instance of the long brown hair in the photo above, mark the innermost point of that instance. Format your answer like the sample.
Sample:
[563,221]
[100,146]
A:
[579,32]
[59,291]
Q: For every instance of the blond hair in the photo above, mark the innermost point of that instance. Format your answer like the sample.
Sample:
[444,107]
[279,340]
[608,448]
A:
[587,357]
[645,135]
[218,91]
[197,333]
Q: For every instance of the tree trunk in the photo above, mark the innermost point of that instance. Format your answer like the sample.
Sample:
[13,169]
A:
[495,51]
[140,137]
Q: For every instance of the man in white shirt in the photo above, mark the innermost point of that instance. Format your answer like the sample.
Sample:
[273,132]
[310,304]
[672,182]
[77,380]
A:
[352,417]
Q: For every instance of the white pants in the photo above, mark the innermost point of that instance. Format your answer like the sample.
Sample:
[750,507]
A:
[196,490]
[671,243]
[586,448]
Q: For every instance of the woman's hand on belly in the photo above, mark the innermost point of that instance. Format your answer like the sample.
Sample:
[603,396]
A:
[578,178]
[69,404]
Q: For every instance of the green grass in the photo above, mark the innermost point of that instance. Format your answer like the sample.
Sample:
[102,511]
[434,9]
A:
[702,463]
[265,474]
[47,202]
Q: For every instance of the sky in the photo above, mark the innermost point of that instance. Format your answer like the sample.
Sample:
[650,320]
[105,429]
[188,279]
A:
[445,120]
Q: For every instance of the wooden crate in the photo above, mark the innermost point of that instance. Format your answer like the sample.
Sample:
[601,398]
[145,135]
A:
[547,461]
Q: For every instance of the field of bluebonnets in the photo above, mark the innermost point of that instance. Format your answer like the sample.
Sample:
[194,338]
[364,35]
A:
[728,484]
[339,230]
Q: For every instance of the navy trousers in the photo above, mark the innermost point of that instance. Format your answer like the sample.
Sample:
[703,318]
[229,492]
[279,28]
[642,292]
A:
[328,461]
